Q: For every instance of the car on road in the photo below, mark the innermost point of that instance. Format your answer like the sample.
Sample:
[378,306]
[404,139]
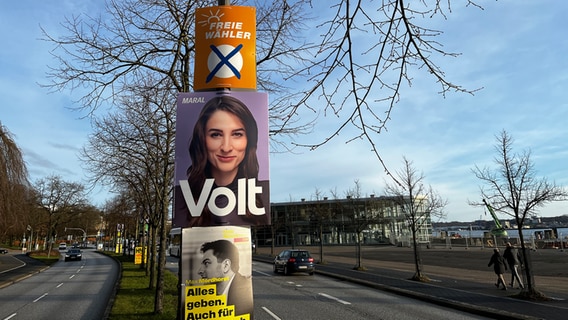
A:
[294,260]
[3,251]
[63,246]
[73,254]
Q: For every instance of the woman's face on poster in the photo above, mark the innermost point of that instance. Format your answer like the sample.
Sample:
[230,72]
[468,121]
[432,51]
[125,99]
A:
[226,142]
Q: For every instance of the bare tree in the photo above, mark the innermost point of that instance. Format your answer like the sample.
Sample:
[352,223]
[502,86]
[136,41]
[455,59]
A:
[359,83]
[360,216]
[60,200]
[320,215]
[419,203]
[133,149]
[278,220]
[513,188]
[107,53]
[368,53]
[14,186]
[121,210]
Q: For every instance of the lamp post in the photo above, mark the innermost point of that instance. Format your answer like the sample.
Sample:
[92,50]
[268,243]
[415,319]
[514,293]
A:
[84,233]
[24,248]
[30,242]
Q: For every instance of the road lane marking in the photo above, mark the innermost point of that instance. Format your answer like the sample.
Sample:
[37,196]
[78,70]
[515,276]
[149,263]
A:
[10,316]
[36,300]
[59,285]
[72,276]
[263,273]
[272,314]
[334,298]
[294,284]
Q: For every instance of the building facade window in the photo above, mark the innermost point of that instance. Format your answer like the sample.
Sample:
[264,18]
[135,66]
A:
[371,220]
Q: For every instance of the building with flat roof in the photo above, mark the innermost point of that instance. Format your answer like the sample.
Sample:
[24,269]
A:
[371,220]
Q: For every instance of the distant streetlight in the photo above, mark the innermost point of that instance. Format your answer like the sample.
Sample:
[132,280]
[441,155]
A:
[84,233]
[30,242]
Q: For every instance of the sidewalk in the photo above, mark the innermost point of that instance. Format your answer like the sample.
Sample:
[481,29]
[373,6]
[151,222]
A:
[467,285]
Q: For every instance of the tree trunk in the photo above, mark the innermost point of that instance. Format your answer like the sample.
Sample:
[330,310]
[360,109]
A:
[321,242]
[358,252]
[417,261]
[159,297]
[272,230]
[152,257]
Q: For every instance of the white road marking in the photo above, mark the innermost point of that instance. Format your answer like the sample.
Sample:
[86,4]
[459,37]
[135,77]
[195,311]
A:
[36,300]
[334,298]
[263,273]
[274,316]
[10,316]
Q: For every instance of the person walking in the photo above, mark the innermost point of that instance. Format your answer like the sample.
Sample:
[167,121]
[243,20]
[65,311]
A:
[499,267]
[511,255]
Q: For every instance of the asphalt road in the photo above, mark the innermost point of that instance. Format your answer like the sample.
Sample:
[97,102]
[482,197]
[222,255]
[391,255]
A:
[459,277]
[66,290]
[300,296]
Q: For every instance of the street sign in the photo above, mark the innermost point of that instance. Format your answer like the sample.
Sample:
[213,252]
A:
[225,48]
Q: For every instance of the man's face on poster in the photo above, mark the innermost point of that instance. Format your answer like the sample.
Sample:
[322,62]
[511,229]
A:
[212,268]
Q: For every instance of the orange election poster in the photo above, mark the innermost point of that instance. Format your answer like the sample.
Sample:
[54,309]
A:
[225,48]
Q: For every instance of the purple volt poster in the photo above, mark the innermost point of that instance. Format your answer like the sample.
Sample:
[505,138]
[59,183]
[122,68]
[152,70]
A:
[222,161]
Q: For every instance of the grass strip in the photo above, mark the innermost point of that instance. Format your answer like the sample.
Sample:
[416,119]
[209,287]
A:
[135,301]
[43,256]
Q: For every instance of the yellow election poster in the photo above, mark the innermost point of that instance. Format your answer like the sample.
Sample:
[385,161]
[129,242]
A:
[138,255]
[225,48]
[216,273]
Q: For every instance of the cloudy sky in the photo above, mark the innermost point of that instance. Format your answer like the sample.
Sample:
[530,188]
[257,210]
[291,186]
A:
[513,50]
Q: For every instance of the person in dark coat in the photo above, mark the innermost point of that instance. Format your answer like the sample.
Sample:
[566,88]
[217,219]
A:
[220,262]
[512,257]
[499,267]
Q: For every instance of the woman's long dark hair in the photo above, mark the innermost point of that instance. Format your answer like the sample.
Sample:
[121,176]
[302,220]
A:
[200,168]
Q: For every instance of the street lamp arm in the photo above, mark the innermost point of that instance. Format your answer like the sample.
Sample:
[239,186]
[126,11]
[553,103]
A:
[84,232]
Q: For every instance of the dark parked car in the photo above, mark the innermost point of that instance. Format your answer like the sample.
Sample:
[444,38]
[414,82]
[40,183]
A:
[73,254]
[294,260]
[3,251]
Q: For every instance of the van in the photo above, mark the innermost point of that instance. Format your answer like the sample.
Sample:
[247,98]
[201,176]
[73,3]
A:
[63,246]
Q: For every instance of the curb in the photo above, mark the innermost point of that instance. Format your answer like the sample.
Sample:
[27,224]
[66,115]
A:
[112,298]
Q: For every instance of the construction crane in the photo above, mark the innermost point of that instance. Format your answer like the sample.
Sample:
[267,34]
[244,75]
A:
[498,231]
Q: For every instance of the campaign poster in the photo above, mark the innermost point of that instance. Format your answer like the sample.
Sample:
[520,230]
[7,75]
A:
[225,48]
[217,273]
[221,159]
